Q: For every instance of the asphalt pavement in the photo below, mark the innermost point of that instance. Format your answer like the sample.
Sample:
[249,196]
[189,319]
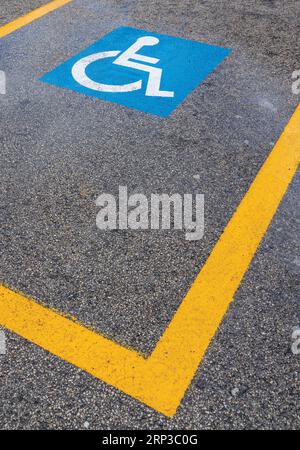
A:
[60,150]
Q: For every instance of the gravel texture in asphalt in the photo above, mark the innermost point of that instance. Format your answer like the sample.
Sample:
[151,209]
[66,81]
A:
[61,149]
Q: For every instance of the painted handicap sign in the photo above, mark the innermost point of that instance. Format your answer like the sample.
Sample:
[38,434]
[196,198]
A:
[147,71]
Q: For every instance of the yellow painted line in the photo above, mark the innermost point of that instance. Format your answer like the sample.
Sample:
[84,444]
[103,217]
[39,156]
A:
[31,16]
[161,380]
[185,341]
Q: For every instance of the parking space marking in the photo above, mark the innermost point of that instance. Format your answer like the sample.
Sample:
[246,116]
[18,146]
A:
[140,69]
[161,379]
[31,16]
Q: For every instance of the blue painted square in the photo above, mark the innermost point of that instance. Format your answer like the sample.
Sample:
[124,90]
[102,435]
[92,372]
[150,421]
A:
[154,75]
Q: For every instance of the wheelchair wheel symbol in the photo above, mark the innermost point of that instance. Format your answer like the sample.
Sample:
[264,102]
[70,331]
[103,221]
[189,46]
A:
[126,59]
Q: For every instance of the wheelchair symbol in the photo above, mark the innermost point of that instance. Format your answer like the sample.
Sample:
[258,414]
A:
[155,73]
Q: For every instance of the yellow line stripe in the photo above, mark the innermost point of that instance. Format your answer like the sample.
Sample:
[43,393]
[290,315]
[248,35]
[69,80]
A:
[185,341]
[30,17]
[70,340]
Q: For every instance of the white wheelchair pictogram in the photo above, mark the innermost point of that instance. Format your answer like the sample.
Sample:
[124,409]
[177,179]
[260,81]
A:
[124,60]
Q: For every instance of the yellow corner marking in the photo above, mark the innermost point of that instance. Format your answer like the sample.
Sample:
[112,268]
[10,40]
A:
[161,380]
[31,16]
